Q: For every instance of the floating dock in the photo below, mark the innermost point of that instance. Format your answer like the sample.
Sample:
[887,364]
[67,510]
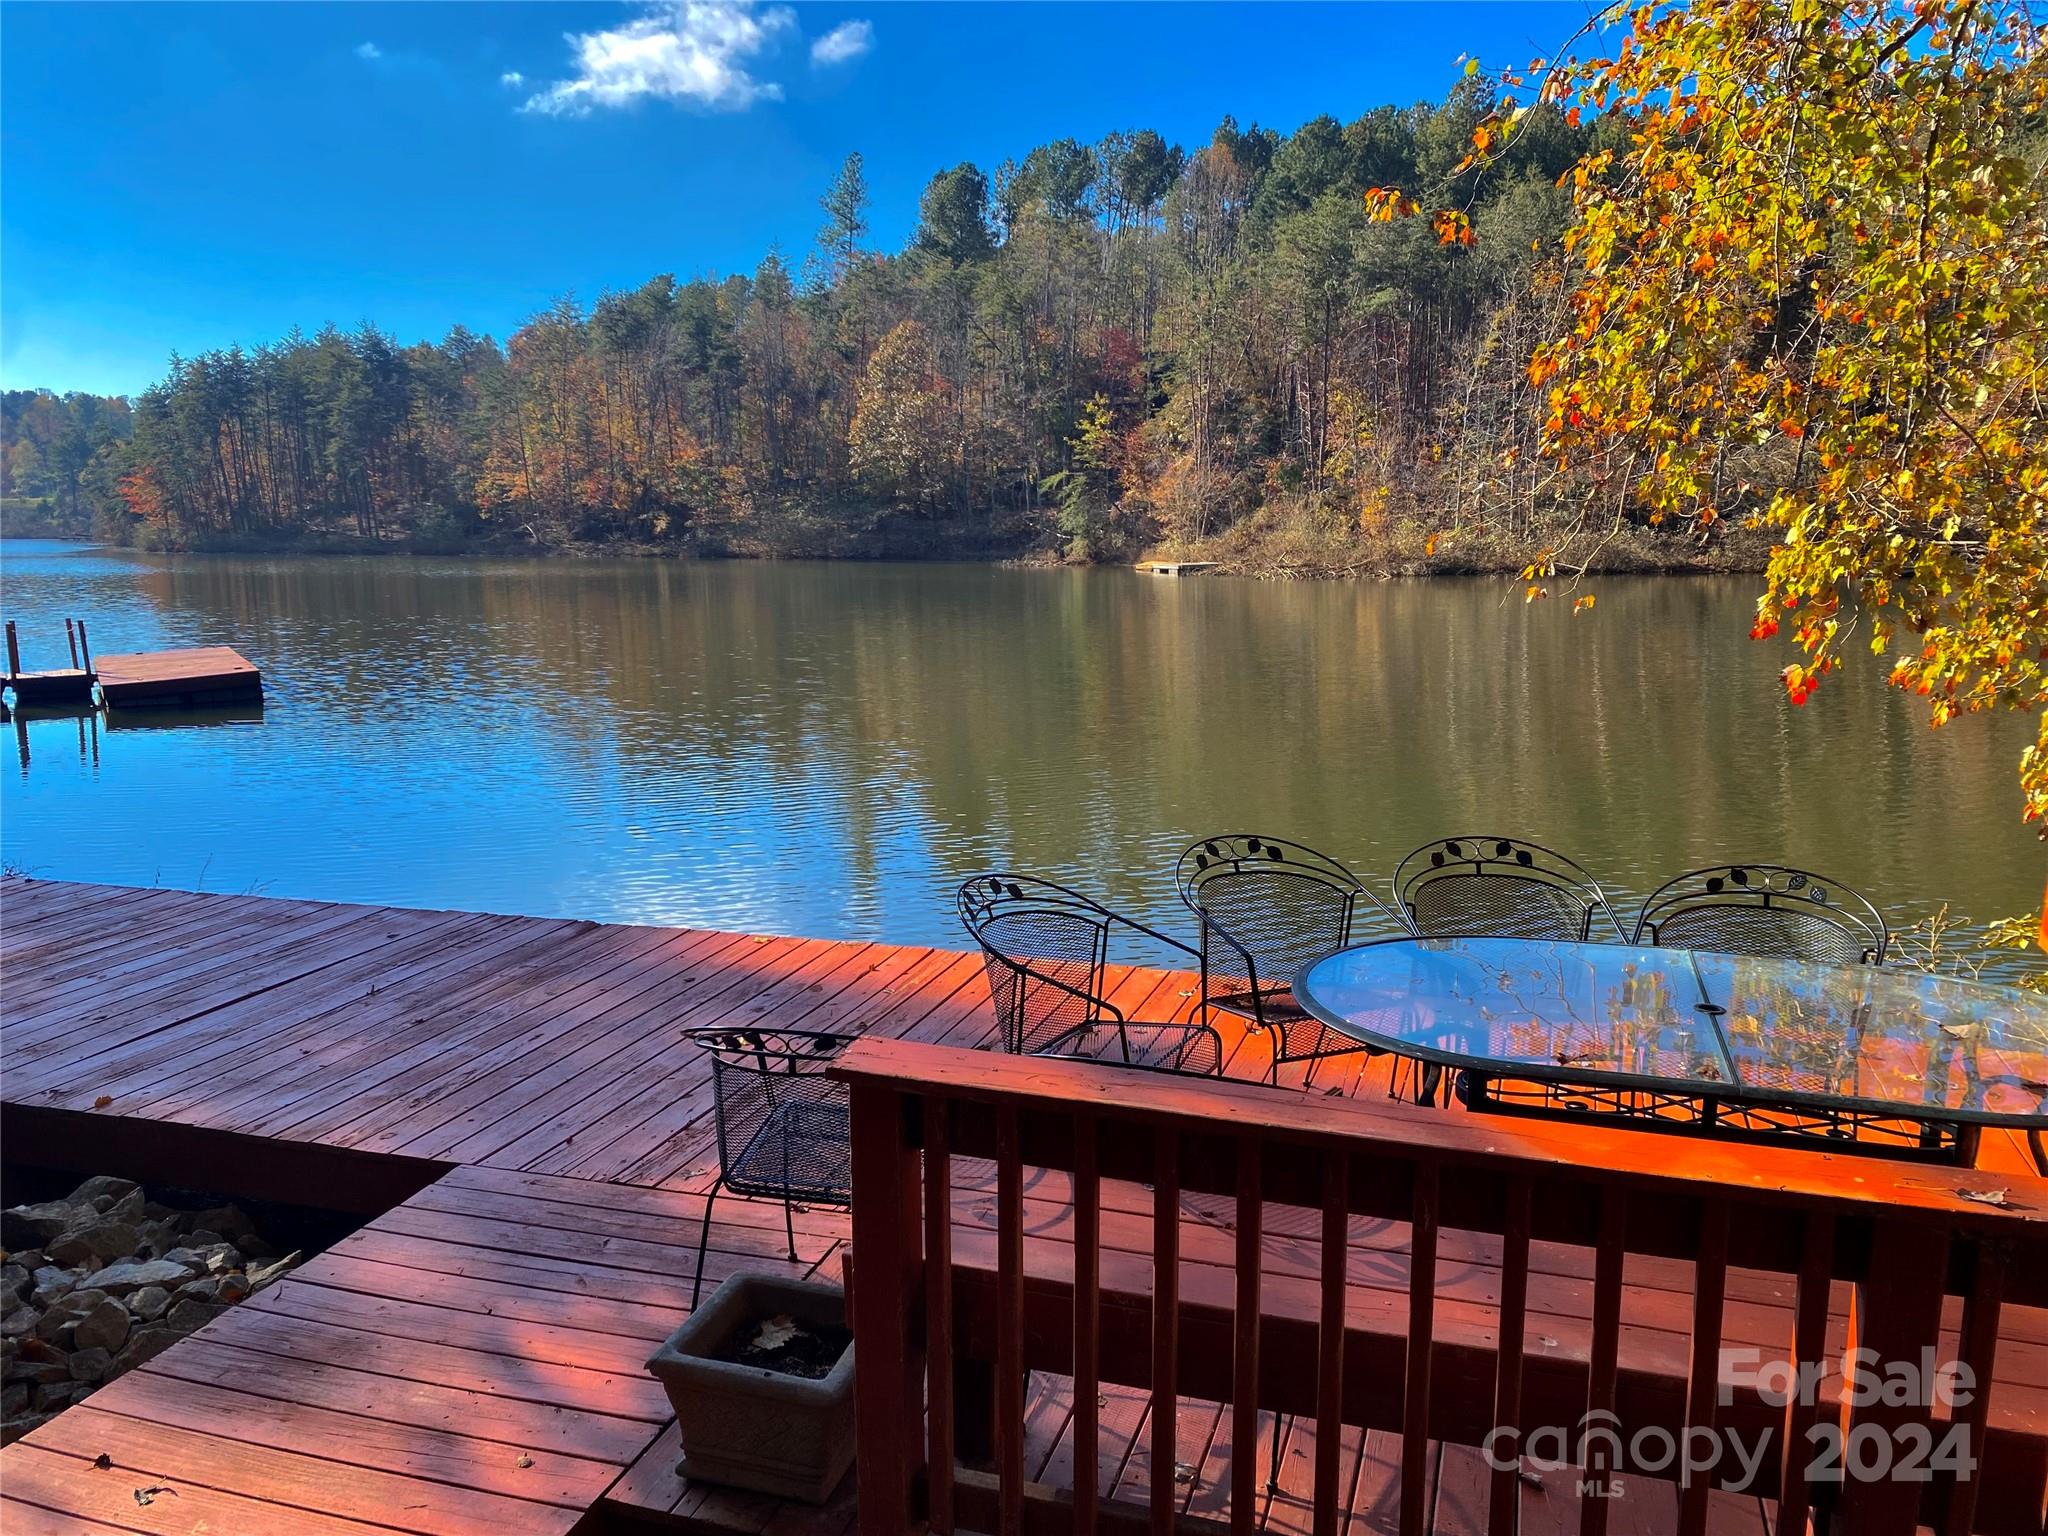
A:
[1176,567]
[204,675]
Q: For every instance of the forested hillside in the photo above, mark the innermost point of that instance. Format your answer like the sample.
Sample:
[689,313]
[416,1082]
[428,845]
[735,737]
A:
[1092,352]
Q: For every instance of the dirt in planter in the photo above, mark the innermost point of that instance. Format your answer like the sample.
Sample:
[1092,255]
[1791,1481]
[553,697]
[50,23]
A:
[789,1347]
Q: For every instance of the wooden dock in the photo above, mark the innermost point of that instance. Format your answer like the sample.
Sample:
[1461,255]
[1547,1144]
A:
[1175,567]
[195,677]
[514,1100]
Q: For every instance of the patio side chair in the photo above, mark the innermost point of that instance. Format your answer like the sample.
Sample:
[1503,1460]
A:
[1501,888]
[784,1127]
[1765,909]
[1046,949]
[1267,907]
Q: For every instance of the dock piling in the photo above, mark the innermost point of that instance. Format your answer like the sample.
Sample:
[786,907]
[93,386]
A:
[13,651]
[71,639]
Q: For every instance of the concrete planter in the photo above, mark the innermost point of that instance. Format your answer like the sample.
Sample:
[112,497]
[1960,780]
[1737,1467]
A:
[747,1427]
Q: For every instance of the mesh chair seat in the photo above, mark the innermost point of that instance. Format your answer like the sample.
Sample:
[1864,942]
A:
[1499,887]
[1500,906]
[1764,909]
[1045,949]
[801,1151]
[1267,909]
[784,1126]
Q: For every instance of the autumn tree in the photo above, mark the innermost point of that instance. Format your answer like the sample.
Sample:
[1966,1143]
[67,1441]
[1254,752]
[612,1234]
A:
[1809,289]
[903,437]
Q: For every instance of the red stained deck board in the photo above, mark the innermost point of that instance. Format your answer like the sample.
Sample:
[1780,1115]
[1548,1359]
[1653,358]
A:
[506,1308]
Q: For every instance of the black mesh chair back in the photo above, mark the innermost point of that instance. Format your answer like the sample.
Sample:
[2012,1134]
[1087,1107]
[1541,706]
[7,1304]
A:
[1765,909]
[1503,888]
[784,1129]
[1045,948]
[1268,907]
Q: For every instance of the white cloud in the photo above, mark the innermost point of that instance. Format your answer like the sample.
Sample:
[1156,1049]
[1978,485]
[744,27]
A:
[695,51]
[512,78]
[848,40]
[369,51]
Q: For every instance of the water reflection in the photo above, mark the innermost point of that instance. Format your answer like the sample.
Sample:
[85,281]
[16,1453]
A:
[828,749]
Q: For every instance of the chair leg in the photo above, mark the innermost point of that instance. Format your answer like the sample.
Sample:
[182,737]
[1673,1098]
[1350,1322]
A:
[703,1242]
[1273,1460]
[789,1225]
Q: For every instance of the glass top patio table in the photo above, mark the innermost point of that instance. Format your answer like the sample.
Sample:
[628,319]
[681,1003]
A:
[1730,1028]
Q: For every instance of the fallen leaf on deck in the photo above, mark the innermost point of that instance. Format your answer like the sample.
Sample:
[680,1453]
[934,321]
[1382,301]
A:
[1987,1197]
[1533,1479]
[1183,1473]
[147,1496]
[524,1460]
[103,1461]
[103,1101]
[776,1332]
[1959,1031]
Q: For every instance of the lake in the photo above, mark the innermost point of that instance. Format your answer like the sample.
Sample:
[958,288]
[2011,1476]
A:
[828,749]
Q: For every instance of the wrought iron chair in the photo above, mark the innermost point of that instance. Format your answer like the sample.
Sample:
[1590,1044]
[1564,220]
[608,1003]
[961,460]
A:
[1267,907]
[1764,909]
[1499,887]
[784,1130]
[1046,948]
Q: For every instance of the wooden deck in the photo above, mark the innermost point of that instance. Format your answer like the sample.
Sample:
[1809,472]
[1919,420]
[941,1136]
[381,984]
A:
[473,1357]
[198,675]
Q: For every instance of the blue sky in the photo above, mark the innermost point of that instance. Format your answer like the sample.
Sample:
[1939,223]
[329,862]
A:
[179,177]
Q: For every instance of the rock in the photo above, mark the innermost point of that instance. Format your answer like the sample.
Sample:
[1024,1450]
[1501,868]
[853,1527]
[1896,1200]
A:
[30,1259]
[91,1364]
[204,1237]
[156,1210]
[34,1350]
[30,1226]
[104,1327]
[145,1344]
[149,1303]
[131,1208]
[104,1240]
[254,1247]
[14,1400]
[51,1282]
[15,1274]
[102,1186]
[191,1315]
[227,1220]
[40,1373]
[119,1279]
[13,1429]
[207,1290]
[10,1298]
[59,1395]
[231,1288]
[269,1274]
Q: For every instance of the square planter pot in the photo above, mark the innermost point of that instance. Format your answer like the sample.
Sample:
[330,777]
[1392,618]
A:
[747,1427]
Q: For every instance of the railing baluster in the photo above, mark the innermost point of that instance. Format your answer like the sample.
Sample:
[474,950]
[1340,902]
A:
[1609,1253]
[1165,1325]
[885,1240]
[1421,1329]
[1087,1323]
[938,1315]
[1703,1385]
[1898,1313]
[1330,1341]
[1009,1323]
[1809,1343]
[1979,1344]
[1244,1406]
[1504,1500]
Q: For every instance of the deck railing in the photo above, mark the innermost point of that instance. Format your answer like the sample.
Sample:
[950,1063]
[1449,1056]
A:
[1906,1237]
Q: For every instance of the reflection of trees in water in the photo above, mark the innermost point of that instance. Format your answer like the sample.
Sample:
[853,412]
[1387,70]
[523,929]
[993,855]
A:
[925,722]
[1882,1034]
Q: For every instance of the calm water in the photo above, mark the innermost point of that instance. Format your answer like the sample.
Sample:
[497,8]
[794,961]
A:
[829,749]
